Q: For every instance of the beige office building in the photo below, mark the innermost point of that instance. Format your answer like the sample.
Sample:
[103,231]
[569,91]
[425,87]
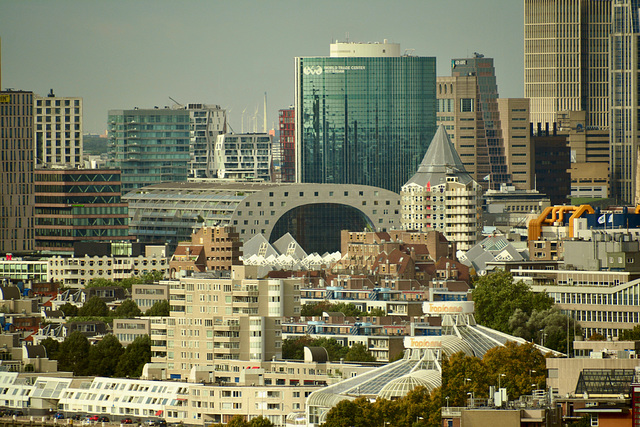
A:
[58,130]
[216,319]
[516,137]
[466,129]
[16,173]
[566,59]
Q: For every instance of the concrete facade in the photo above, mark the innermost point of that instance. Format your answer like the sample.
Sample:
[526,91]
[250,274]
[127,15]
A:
[16,174]
[169,212]
[58,130]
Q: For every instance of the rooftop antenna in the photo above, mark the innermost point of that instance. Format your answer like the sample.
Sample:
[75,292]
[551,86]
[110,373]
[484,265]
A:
[177,103]
[265,113]
[255,119]
[242,127]
[347,36]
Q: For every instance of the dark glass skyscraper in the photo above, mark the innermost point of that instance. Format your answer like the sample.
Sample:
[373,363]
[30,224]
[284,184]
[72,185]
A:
[364,115]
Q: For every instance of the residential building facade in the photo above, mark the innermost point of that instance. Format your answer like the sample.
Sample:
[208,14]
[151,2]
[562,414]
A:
[58,130]
[286,122]
[217,319]
[243,156]
[16,174]
[442,196]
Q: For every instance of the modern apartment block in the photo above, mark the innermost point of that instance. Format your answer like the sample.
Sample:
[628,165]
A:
[243,156]
[76,272]
[207,122]
[16,173]
[442,196]
[58,130]
[363,115]
[286,122]
[216,319]
[78,205]
[566,59]
[164,144]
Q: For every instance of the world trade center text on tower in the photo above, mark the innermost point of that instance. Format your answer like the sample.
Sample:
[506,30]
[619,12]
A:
[364,115]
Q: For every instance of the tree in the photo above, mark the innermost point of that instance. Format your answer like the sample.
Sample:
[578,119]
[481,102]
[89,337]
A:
[519,368]
[69,310]
[237,421]
[260,421]
[94,307]
[315,309]
[293,348]
[549,327]
[461,375]
[359,353]
[52,347]
[597,337]
[99,282]
[630,334]
[497,297]
[161,308]
[356,413]
[135,356]
[104,356]
[127,310]
[73,355]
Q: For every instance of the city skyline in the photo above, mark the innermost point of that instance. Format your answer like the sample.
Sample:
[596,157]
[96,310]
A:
[125,55]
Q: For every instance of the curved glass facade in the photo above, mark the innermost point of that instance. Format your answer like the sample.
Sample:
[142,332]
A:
[364,120]
[316,227]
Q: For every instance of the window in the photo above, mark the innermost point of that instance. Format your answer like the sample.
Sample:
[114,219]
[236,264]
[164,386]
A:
[467,105]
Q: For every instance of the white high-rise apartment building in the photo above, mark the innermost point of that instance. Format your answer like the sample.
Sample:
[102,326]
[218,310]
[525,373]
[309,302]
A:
[58,130]
[207,122]
[442,195]
[243,156]
[566,59]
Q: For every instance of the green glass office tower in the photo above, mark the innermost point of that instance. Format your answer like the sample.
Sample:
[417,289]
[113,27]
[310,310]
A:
[364,115]
[149,145]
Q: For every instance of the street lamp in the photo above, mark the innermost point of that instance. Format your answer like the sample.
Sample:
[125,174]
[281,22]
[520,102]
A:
[418,418]
[447,401]
[500,378]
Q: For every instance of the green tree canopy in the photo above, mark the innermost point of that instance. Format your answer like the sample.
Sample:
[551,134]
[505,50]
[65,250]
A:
[348,309]
[630,334]
[521,368]
[161,308]
[127,310]
[94,307]
[104,356]
[135,356]
[73,355]
[69,310]
[359,353]
[260,421]
[52,347]
[461,375]
[497,297]
[293,348]
[151,277]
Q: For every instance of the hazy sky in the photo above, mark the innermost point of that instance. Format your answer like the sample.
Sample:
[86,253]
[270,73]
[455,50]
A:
[125,54]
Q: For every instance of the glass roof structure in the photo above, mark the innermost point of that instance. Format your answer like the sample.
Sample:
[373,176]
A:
[418,367]
[605,382]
